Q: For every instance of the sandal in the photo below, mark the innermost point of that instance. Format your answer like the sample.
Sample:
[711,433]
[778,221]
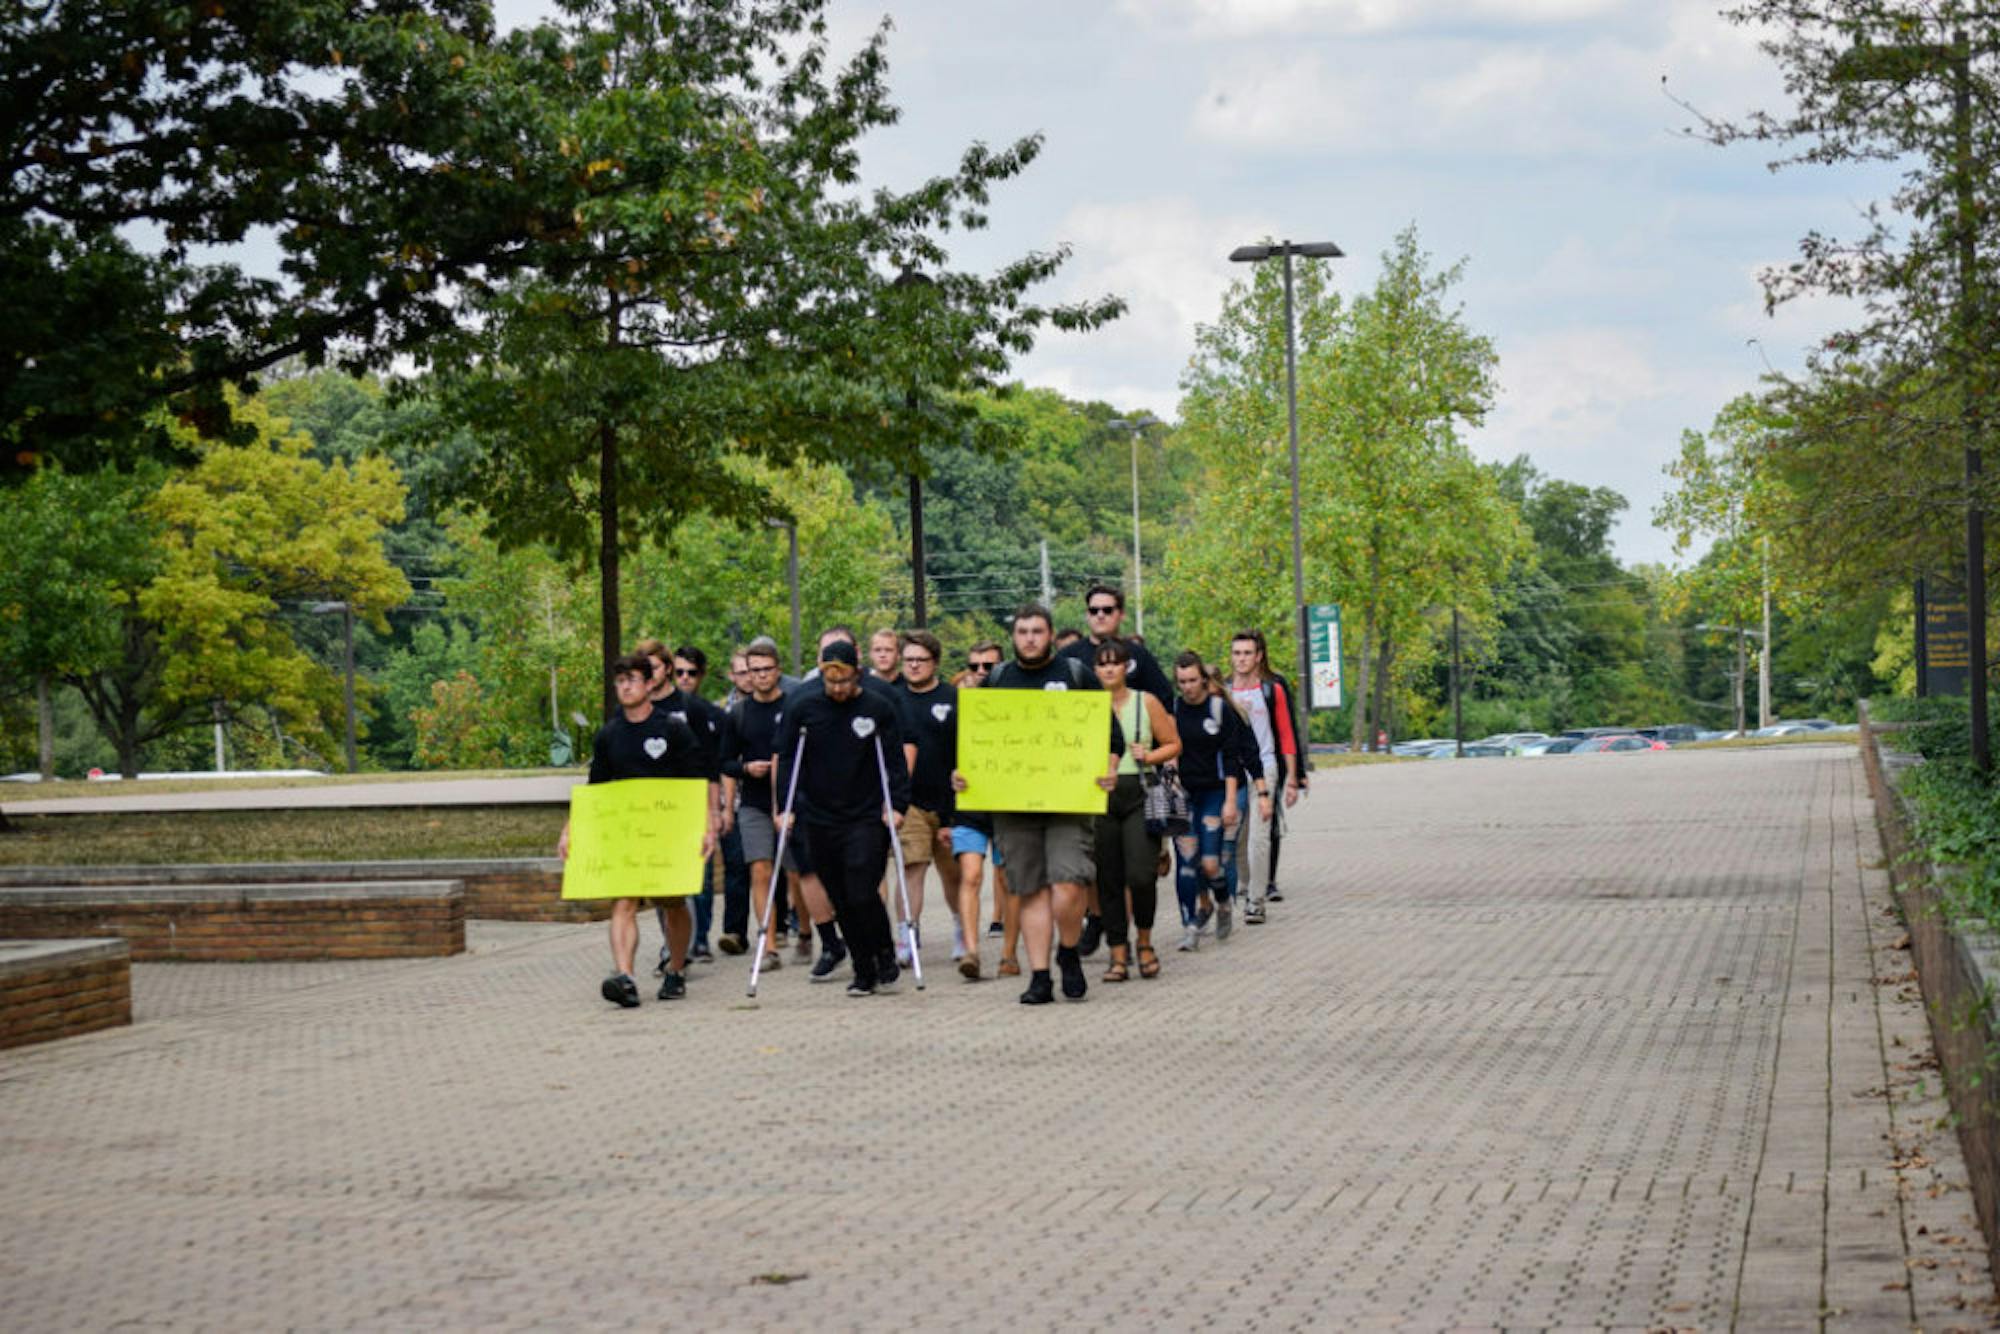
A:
[1116,972]
[1149,962]
[1009,968]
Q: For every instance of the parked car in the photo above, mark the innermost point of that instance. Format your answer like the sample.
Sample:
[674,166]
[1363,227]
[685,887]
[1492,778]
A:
[1585,733]
[1784,729]
[1555,745]
[1419,746]
[1670,732]
[1474,750]
[1599,745]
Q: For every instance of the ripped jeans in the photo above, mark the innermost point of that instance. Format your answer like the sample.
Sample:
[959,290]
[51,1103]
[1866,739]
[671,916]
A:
[1202,848]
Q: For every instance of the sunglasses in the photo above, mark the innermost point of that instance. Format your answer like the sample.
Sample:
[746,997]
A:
[687,673]
[1108,609]
[982,666]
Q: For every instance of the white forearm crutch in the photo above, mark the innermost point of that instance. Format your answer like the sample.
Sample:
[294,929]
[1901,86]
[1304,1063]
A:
[777,864]
[902,876]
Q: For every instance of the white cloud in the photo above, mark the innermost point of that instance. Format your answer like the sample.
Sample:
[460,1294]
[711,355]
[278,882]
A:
[1524,91]
[1563,394]
[1300,18]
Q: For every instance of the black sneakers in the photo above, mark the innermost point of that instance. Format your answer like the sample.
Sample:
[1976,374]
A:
[887,974]
[1092,937]
[620,989]
[857,988]
[1273,894]
[672,987]
[830,959]
[1070,961]
[701,951]
[1040,991]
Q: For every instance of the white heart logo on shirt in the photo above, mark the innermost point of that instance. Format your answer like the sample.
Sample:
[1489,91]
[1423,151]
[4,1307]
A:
[1056,685]
[864,727]
[940,711]
[1211,725]
[656,746]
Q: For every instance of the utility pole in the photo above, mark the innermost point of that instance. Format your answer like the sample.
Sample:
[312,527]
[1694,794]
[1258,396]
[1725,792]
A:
[1742,670]
[1048,584]
[1764,718]
[1457,696]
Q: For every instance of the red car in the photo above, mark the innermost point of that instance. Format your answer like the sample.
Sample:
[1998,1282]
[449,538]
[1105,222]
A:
[1600,744]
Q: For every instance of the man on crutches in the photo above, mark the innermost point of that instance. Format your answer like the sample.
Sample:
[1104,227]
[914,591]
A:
[851,796]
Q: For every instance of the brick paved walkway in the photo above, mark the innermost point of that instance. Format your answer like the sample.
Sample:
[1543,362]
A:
[1565,1042]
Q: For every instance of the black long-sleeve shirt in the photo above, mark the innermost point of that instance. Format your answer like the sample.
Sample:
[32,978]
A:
[1216,744]
[839,777]
[930,723]
[750,732]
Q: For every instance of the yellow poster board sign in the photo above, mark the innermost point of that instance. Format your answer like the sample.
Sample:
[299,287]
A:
[1034,751]
[636,838]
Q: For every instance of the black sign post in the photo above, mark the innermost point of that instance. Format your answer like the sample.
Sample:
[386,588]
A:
[1947,640]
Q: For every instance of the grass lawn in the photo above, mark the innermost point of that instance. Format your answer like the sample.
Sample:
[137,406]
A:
[151,839]
[1796,739]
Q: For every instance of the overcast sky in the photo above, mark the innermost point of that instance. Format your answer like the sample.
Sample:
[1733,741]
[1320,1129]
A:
[1612,262]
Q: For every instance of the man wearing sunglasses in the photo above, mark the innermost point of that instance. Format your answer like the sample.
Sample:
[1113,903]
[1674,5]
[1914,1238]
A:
[1105,608]
[705,721]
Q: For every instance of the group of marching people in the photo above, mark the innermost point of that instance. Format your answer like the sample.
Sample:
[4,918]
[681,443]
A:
[832,799]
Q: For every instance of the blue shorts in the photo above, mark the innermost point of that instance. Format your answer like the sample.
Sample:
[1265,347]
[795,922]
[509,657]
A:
[964,838]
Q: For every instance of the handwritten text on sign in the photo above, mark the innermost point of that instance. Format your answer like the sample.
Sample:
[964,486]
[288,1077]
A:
[1034,750]
[636,838]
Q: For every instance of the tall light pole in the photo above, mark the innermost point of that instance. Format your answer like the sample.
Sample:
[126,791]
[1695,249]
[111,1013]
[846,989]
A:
[912,280]
[1137,426]
[792,577]
[1254,254]
[1902,63]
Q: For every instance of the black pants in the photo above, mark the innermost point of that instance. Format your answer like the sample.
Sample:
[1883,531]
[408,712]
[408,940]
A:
[1128,859]
[849,859]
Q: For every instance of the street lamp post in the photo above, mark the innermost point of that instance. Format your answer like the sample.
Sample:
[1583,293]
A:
[346,610]
[1253,254]
[909,280]
[1137,426]
[792,577]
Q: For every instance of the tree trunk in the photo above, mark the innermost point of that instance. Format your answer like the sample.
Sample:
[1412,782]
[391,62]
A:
[45,729]
[607,556]
[1380,708]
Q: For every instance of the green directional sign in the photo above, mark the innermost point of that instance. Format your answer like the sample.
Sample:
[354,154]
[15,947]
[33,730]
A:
[1323,634]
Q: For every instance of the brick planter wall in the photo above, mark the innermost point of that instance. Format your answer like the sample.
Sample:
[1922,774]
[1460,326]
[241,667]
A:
[60,988]
[518,890]
[248,922]
[1954,973]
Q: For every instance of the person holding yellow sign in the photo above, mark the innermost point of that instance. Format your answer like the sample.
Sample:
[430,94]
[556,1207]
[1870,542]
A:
[642,741]
[1043,830]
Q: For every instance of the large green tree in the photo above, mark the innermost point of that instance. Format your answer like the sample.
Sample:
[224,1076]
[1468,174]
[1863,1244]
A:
[193,634]
[1399,521]
[157,153]
[720,287]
